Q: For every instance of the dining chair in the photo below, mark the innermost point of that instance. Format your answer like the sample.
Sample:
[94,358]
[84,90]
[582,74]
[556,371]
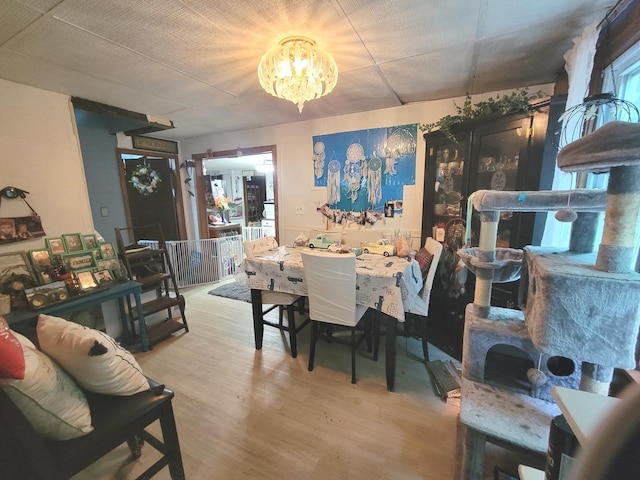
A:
[279,300]
[331,287]
[428,258]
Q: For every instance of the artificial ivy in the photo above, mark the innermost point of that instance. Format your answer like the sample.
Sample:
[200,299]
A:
[517,101]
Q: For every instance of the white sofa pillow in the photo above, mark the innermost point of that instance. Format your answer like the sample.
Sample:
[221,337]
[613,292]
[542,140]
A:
[92,358]
[48,397]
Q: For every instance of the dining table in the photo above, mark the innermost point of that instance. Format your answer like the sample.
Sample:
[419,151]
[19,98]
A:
[388,285]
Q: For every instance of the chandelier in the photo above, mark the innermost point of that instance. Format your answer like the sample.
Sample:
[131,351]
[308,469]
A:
[297,70]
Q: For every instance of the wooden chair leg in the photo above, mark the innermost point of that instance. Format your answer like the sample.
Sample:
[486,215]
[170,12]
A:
[376,335]
[293,337]
[353,355]
[170,437]
[135,444]
[424,337]
[280,315]
[312,345]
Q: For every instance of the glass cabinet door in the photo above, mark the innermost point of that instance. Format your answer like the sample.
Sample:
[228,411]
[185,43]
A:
[450,164]
[500,155]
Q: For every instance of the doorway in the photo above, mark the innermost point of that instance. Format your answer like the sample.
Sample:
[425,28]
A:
[156,201]
[248,177]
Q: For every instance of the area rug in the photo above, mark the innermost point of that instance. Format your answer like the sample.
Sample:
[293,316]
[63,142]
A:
[233,290]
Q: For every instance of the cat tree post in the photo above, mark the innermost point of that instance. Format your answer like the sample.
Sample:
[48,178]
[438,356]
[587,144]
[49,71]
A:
[614,147]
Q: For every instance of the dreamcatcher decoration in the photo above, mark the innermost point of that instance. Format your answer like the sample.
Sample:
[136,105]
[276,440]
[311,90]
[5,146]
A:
[318,159]
[355,168]
[333,182]
[374,181]
[400,142]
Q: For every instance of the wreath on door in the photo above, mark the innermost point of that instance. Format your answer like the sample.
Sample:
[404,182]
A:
[145,179]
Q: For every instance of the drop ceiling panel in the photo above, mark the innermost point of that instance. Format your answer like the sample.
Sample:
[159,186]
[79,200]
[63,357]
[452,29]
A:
[14,18]
[397,29]
[507,16]
[441,74]
[195,61]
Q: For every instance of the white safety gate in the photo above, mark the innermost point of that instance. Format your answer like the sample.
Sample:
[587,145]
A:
[209,260]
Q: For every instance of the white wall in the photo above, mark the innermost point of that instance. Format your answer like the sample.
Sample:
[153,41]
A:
[295,167]
[41,154]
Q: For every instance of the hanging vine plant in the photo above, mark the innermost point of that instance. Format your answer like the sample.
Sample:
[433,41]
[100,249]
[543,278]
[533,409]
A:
[517,101]
[145,179]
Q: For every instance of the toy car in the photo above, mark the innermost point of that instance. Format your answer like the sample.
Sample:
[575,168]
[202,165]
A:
[380,247]
[321,241]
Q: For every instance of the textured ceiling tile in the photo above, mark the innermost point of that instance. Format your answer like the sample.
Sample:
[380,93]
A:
[399,28]
[14,18]
[439,74]
[529,61]
[197,59]
[508,16]
[29,71]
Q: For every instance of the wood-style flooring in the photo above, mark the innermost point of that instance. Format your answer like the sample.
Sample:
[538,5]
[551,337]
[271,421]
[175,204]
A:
[248,414]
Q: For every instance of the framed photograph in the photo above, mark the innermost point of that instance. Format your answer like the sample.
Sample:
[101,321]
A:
[56,245]
[86,279]
[40,297]
[107,250]
[79,260]
[108,264]
[40,259]
[90,241]
[16,276]
[73,242]
[103,277]
[44,276]
[97,254]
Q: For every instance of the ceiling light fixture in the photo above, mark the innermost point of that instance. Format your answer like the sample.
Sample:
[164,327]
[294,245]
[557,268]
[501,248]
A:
[297,70]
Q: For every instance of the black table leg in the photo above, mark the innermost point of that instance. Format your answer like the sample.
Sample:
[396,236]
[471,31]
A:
[258,326]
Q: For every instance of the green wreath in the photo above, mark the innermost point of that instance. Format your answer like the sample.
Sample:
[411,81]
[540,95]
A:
[145,179]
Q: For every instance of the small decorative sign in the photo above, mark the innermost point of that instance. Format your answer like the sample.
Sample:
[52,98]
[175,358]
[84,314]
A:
[154,144]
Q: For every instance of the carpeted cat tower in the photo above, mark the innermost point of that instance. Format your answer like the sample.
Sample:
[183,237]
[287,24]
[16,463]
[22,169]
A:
[580,310]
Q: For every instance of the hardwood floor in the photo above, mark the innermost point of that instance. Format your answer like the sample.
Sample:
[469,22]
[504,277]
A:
[244,414]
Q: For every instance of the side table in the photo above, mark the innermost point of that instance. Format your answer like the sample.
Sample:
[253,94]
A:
[117,291]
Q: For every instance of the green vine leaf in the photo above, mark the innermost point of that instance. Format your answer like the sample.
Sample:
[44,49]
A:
[517,101]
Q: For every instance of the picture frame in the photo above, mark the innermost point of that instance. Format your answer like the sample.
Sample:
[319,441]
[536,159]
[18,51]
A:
[86,280]
[40,259]
[42,296]
[111,264]
[79,260]
[44,276]
[56,245]
[154,144]
[97,254]
[16,275]
[107,250]
[90,241]
[73,242]
[103,276]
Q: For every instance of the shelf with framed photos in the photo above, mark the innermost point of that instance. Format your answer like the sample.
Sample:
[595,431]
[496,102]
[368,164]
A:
[509,152]
[69,266]
[152,268]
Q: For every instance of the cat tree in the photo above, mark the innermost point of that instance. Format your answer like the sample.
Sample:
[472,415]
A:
[575,304]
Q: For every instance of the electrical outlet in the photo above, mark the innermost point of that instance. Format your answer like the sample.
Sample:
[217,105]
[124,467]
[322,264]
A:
[299,210]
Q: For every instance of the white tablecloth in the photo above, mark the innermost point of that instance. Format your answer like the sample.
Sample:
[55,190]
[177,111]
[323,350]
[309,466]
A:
[388,284]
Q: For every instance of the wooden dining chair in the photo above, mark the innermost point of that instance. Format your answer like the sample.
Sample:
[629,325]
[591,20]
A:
[331,286]
[279,300]
[415,325]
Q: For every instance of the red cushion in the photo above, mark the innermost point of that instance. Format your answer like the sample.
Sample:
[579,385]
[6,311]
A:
[424,259]
[11,355]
